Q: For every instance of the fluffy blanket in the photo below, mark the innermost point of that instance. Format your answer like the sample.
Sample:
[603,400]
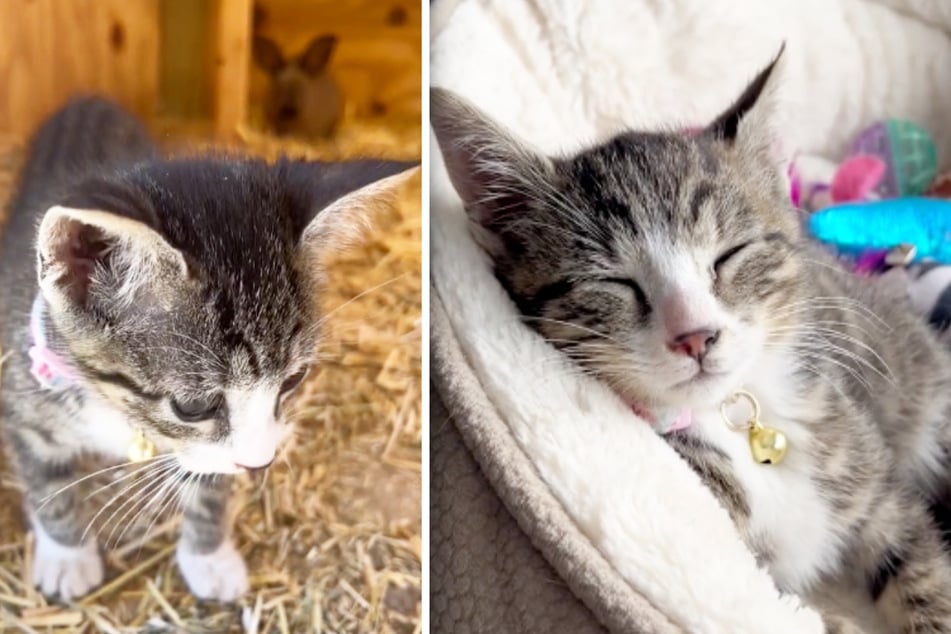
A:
[553,508]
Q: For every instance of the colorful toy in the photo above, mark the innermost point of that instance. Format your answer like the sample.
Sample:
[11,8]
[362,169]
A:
[855,180]
[871,262]
[890,159]
[908,152]
[856,228]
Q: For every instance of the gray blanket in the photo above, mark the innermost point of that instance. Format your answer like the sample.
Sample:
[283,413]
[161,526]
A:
[504,556]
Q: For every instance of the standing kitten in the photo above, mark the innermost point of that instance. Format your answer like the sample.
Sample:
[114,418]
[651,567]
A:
[167,305]
[673,268]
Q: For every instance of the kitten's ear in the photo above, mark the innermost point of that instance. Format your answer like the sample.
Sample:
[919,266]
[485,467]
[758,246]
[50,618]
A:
[490,169]
[748,122]
[347,196]
[91,256]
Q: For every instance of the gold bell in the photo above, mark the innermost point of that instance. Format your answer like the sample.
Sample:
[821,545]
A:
[767,445]
[140,448]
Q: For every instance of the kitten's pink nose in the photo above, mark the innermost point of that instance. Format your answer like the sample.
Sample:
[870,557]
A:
[694,344]
[256,469]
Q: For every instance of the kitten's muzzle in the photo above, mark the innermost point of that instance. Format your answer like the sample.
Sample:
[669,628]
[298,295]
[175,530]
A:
[694,344]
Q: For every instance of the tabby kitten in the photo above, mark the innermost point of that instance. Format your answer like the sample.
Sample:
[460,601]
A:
[159,306]
[673,267]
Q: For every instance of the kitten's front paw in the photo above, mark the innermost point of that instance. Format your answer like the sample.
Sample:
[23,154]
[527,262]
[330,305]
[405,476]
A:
[66,572]
[220,575]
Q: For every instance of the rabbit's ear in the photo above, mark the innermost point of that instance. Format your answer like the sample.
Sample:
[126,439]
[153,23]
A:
[314,60]
[267,54]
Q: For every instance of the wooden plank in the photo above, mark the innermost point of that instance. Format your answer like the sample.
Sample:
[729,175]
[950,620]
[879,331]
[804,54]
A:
[231,28]
[51,50]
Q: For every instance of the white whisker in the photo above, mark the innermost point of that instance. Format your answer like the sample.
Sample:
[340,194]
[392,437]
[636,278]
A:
[49,497]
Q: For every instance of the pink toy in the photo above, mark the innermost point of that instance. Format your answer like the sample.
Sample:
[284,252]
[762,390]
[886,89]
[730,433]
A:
[857,178]
[854,181]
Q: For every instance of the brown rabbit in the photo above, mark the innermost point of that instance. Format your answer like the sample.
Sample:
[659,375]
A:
[303,99]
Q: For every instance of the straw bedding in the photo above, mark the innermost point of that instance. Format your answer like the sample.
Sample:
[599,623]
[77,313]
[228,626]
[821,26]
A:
[332,532]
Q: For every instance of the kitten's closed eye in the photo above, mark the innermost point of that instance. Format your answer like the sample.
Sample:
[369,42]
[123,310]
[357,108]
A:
[192,411]
[727,255]
[639,294]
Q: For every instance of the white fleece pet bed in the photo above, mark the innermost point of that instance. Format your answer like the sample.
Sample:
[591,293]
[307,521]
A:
[564,73]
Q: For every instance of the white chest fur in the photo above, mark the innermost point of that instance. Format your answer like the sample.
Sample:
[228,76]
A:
[788,514]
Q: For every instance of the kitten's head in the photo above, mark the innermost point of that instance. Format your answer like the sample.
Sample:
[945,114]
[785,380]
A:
[663,263]
[184,293]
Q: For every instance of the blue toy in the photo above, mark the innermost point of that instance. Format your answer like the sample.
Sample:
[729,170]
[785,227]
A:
[856,228]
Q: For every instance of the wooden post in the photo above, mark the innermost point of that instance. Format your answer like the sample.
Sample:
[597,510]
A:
[231,42]
[185,88]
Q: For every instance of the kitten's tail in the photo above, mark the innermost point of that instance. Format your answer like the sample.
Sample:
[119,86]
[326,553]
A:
[85,137]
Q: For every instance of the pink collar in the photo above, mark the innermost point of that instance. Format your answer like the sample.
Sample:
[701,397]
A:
[665,421]
[48,368]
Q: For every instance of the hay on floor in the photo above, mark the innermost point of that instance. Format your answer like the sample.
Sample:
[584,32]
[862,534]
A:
[332,534]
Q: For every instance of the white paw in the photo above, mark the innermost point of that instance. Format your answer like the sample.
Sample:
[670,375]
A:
[66,572]
[220,575]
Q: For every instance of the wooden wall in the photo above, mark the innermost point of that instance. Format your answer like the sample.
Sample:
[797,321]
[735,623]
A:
[52,49]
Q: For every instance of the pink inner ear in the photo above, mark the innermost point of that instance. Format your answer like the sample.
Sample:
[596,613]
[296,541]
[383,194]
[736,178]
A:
[857,177]
[80,249]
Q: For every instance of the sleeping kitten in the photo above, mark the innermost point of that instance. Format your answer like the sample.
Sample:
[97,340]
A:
[674,269]
[168,306]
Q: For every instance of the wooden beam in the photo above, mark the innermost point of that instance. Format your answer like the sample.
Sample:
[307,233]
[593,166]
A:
[185,86]
[231,42]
